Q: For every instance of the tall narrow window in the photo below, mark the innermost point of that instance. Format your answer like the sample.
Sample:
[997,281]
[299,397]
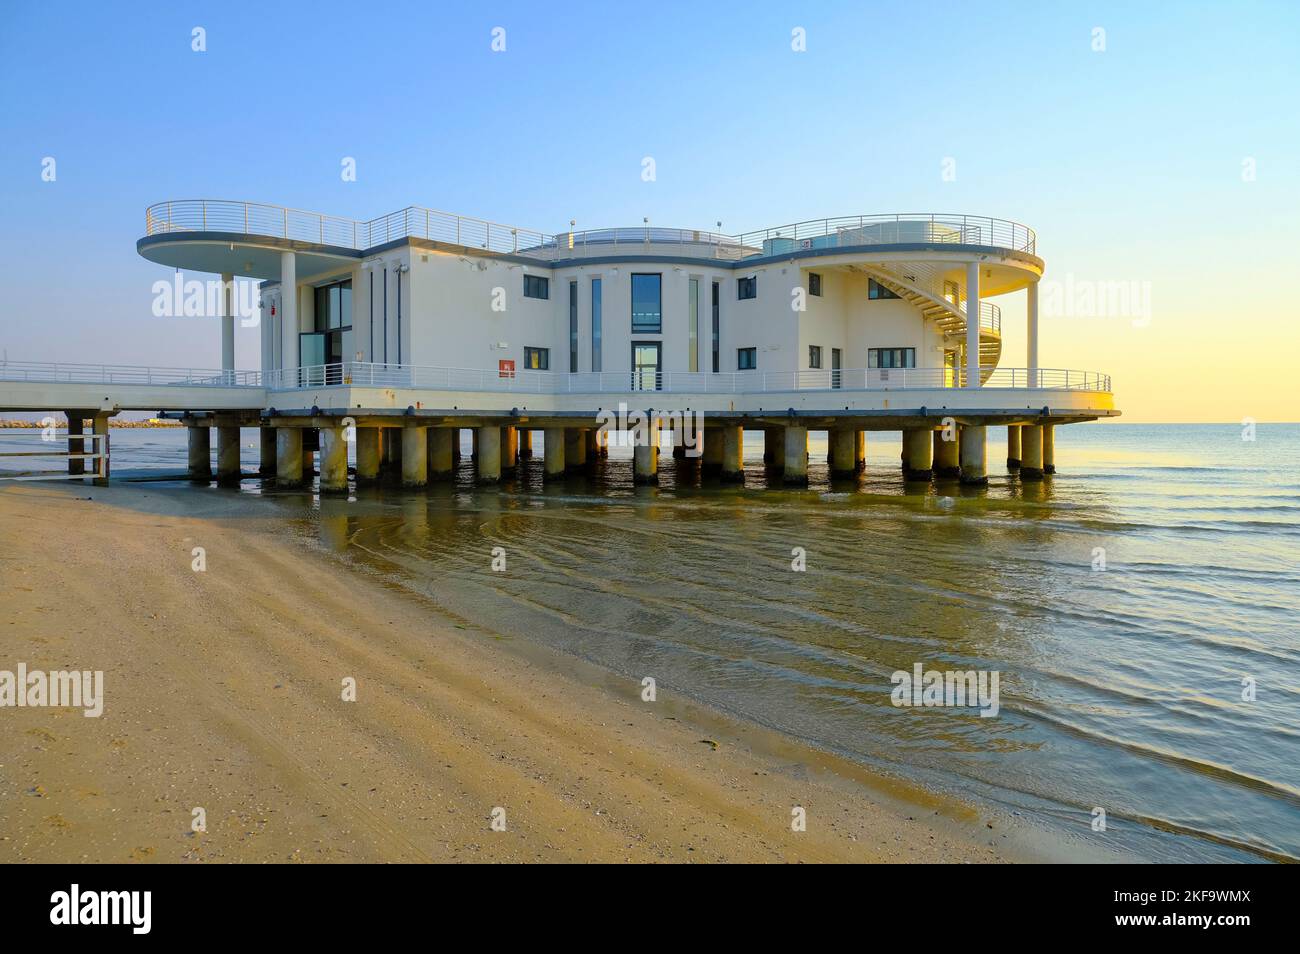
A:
[693,326]
[717,325]
[814,284]
[647,303]
[596,309]
[814,356]
[573,327]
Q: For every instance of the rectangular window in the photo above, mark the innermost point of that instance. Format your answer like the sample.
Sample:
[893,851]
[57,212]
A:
[332,337]
[596,308]
[747,287]
[746,359]
[693,325]
[537,286]
[573,327]
[877,291]
[647,303]
[814,356]
[891,358]
[717,325]
[537,359]
[814,284]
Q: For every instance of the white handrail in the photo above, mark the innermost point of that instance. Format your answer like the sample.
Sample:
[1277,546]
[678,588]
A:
[370,374]
[256,218]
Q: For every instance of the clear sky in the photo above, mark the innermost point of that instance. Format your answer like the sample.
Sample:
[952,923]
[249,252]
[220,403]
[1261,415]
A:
[1133,163]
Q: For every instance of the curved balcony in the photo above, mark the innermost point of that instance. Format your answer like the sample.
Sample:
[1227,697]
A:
[825,234]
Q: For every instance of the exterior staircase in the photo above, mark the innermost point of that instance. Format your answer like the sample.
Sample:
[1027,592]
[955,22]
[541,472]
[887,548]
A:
[920,285]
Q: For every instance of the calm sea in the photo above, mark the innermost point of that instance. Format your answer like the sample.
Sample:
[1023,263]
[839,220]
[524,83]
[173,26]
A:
[1129,604]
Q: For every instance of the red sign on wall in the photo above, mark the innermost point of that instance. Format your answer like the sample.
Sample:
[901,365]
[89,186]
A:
[506,368]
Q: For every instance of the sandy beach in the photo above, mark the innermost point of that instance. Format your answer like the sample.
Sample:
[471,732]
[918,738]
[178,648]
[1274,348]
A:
[223,691]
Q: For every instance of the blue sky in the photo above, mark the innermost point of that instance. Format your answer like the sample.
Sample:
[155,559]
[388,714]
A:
[1127,161]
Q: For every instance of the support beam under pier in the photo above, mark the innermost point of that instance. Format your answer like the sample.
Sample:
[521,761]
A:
[733,454]
[1013,447]
[415,456]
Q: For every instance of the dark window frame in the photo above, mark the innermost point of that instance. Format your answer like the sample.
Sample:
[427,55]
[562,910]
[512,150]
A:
[905,354]
[716,313]
[573,326]
[815,357]
[537,283]
[645,328]
[747,288]
[878,292]
[815,284]
[544,356]
[752,354]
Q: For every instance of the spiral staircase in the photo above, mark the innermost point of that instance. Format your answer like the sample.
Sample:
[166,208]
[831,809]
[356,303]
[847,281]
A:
[921,284]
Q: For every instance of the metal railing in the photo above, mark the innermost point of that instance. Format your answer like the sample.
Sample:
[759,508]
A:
[255,218]
[365,374]
[98,455]
[54,371]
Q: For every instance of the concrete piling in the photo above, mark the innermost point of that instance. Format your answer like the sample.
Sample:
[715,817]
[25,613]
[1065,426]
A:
[645,456]
[525,443]
[553,452]
[796,456]
[200,452]
[713,450]
[918,445]
[974,459]
[415,455]
[946,455]
[266,462]
[1049,448]
[288,457]
[442,465]
[228,454]
[368,440]
[1031,451]
[333,461]
[843,451]
[509,449]
[575,450]
[487,457]
[1013,447]
[733,454]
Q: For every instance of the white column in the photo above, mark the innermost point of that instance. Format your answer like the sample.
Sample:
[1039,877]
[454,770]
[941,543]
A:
[1031,333]
[973,325]
[288,310]
[228,324]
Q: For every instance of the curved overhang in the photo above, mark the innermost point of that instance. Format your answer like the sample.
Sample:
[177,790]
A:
[242,255]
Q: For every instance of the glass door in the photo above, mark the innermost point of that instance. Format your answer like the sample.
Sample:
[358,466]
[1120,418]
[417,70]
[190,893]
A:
[835,367]
[311,358]
[646,365]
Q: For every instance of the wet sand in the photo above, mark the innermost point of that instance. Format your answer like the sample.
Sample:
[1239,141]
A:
[223,691]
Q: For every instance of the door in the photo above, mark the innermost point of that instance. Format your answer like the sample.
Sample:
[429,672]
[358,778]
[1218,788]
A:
[646,365]
[835,367]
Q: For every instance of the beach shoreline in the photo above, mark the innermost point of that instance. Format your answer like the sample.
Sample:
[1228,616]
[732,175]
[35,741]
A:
[223,692]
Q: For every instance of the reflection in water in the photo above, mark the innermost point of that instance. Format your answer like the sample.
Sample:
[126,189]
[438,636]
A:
[1119,688]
